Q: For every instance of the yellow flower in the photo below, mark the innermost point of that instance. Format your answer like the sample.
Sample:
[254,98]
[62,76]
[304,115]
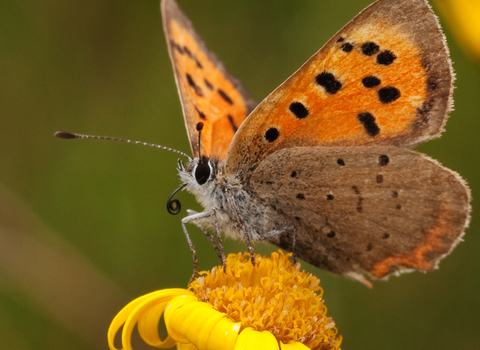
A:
[463,17]
[272,305]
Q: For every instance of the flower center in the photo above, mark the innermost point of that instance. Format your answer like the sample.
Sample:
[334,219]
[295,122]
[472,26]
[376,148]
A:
[273,296]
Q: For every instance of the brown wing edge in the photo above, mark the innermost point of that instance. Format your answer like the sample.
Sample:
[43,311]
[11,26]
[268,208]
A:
[170,10]
[437,246]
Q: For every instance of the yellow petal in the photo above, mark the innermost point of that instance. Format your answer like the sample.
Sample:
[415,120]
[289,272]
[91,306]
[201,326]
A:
[174,319]
[205,321]
[133,311]
[181,346]
[250,339]
[191,321]
[148,327]
[120,318]
[223,335]
[293,346]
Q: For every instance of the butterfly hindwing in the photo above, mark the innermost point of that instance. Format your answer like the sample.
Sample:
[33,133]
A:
[382,209]
[208,93]
[384,79]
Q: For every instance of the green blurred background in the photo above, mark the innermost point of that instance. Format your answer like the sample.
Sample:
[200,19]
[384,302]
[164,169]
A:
[83,224]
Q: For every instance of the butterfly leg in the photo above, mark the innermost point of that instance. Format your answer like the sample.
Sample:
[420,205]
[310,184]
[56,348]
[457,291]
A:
[217,243]
[294,242]
[292,228]
[185,220]
[240,220]
[250,248]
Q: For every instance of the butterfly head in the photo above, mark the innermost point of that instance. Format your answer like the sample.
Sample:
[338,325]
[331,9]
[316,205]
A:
[198,177]
[198,172]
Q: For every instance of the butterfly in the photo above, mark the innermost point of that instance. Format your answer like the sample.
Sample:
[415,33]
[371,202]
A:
[323,166]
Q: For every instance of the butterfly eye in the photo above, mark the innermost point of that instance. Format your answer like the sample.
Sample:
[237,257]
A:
[202,172]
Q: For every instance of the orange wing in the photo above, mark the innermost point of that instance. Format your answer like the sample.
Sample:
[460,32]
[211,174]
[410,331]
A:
[384,79]
[208,93]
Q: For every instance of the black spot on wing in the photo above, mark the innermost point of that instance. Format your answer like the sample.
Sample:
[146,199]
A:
[190,80]
[347,47]
[383,160]
[196,88]
[359,204]
[426,62]
[176,47]
[232,123]
[425,108]
[388,94]
[187,51]
[201,114]
[370,48]
[225,96]
[370,81]
[328,81]
[432,84]
[359,199]
[300,196]
[341,162]
[379,179]
[368,122]
[299,110]
[272,134]
[208,84]
[386,57]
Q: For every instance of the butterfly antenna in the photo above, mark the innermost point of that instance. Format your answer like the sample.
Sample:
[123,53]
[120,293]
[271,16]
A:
[70,135]
[199,129]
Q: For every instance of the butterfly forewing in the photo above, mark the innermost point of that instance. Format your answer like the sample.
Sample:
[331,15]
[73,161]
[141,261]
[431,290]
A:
[384,79]
[209,94]
[383,209]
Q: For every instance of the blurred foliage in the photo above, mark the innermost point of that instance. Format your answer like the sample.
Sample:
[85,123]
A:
[83,224]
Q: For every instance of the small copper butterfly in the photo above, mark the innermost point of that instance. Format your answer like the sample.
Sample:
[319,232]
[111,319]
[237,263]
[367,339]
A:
[323,166]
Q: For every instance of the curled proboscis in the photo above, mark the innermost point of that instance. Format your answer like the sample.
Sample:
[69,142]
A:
[173,205]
